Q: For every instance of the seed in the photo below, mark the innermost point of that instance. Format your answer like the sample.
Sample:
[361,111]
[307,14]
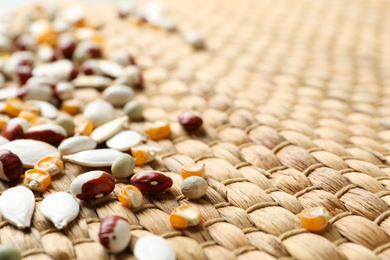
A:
[192,170]
[110,68]
[185,216]
[66,122]
[143,154]
[124,140]
[92,185]
[71,106]
[131,76]
[51,164]
[23,73]
[153,248]
[26,42]
[158,130]
[190,120]
[91,81]
[49,133]
[47,110]
[30,151]
[63,90]
[133,110]
[151,181]
[36,180]
[46,53]
[9,253]
[35,92]
[93,158]
[114,233]
[84,128]
[194,187]
[118,95]
[67,45]
[3,120]
[76,144]
[130,196]
[17,206]
[107,130]
[28,115]
[13,106]
[123,166]
[11,167]
[60,208]
[122,57]
[99,112]
[15,128]
[86,50]
[314,219]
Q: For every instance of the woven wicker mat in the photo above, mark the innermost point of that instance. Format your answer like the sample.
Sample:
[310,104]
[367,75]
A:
[295,99]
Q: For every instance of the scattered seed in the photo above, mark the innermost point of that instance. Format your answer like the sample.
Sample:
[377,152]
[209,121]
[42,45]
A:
[107,130]
[11,167]
[194,187]
[92,185]
[93,158]
[151,181]
[76,144]
[185,216]
[47,109]
[91,81]
[60,208]
[153,248]
[124,140]
[133,110]
[130,197]
[114,233]
[17,206]
[9,253]
[123,166]
[49,133]
[118,95]
[36,180]
[99,112]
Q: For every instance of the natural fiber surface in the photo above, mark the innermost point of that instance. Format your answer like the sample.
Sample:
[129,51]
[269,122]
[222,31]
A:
[295,97]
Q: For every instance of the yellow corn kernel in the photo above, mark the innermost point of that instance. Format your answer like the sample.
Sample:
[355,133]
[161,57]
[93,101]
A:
[3,120]
[48,36]
[314,219]
[158,130]
[71,106]
[28,115]
[130,197]
[39,121]
[98,39]
[13,106]
[192,170]
[143,154]
[36,180]
[185,216]
[85,128]
[50,164]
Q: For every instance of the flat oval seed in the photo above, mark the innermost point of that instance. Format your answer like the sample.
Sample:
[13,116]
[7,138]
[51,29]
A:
[47,109]
[93,158]
[92,185]
[107,130]
[30,151]
[123,166]
[118,95]
[114,233]
[124,140]
[76,144]
[17,206]
[9,253]
[99,112]
[61,208]
[151,181]
[153,248]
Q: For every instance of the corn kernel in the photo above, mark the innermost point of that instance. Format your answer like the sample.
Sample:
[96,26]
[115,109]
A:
[85,128]
[48,36]
[13,106]
[28,115]
[33,107]
[158,130]
[130,197]
[192,170]
[50,164]
[36,180]
[3,120]
[39,121]
[71,106]
[315,219]
[185,216]
[143,154]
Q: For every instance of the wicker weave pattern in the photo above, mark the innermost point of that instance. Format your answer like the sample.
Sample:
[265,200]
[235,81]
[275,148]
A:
[295,100]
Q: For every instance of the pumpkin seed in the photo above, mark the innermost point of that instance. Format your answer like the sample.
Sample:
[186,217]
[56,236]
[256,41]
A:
[124,140]
[30,151]
[17,206]
[106,131]
[91,81]
[110,68]
[61,208]
[76,144]
[153,247]
[93,158]
[7,93]
[47,109]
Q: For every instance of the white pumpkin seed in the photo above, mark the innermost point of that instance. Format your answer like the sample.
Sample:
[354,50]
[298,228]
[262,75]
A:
[76,144]
[30,151]
[99,112]
[124,140]
[118,95]
[43,93]
[91,81]
[153,247]
[106,131]
[93,158]
[60,208]
[17,206]
[7,93]
[110,68]
[47,109]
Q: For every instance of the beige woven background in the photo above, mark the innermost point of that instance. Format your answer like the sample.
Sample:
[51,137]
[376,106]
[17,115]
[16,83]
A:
[295,96]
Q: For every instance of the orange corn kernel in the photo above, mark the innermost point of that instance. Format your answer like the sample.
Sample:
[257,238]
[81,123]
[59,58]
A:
[71,106]
[192,170]
[3,120]
[85,128]
[39,121]
[13,106]
[185,216]
[36,180]
[130,197]
[50,164]
[98,39]
[28,115]
[143,154]
[48,36]
[158,130]
[315,219]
